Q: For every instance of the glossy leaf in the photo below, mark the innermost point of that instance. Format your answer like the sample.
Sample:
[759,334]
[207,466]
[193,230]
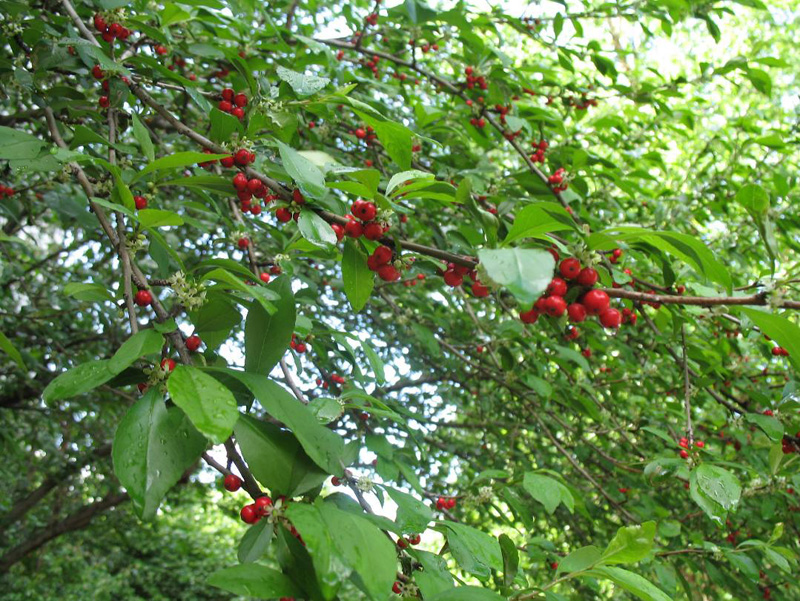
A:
[209,405]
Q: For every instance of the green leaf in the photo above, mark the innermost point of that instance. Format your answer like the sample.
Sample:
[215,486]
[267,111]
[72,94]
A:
[434,577]
[754,198]
[78,380]
[475,551]
[412,514]
[548,491]
[760,79]
[538,220]
[88,292]
[214,321]
[316,230]
[630,544]
[143,138]
[267,336]
[254,580]
[325,447]
[178,159]
[140,344]
[276,458]
[467,593]
[396,138]
[579,560]
[355,542]
[780,329]
[715,490]
[260,293]
[525,272]
[158,218]
[223,125]
[303,85]
[771,426]
[306,174]
[357,277]
[15,144]
[633,583]
[398,179]
[255,542]
[510,559]
[683,246]
[153,447]
[8,348]
[209,404]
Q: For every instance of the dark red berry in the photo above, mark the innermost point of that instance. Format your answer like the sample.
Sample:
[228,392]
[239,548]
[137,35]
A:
[143,298]
[232,482]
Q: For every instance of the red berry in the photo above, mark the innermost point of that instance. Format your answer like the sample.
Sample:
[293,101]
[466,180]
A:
[262,503]
[238,113]
[298,197]
[699,444]
[168,364]
[232,482]
[595,302]
[143,298]
[249,514]
[283,214]
[684,454]
[99,23]
[570,268]
[557,287]
[353,229]
[451,278]
[397,588]
[382,255]
[104,102]
[373,231]
[227,94]
[242,157]
[140,202]
[338,230]
[576,312]
[264,277]
[480,290]
[243,243]
[360,133]
[240,181]
[529,317]
[365,211]
[225,106]
[193,343]
[555,306]
[587,277]
[388,273]
[240,100]
[97,72]
[610,318]
[253,185]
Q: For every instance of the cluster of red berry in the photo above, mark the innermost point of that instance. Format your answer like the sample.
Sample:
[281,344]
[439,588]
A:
[592,302]
[6,191]
[371,64]
[684,444]
[298,346]
[413,539]
[557,180]
[362,222]
[538,155]
[475,80]
[232,103]
[779,351]
[371,19]
[110,32]
[380,261]
[287,213]
[368,134]
[445,503]
[790,445]
[252,513]
[454,276]
[99,74]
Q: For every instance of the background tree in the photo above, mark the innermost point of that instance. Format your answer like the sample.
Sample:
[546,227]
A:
[472,303]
